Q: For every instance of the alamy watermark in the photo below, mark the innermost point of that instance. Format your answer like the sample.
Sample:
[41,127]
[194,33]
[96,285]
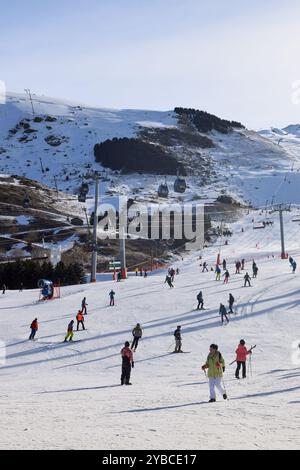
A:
[2,92]
[153,222]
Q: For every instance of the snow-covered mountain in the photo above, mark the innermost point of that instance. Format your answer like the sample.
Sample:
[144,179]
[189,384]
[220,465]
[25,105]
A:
[56,146]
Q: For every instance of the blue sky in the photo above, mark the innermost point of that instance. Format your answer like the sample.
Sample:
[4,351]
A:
[237,59]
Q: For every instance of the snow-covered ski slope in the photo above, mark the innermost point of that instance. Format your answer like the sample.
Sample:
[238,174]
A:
[67,396]
[243,163]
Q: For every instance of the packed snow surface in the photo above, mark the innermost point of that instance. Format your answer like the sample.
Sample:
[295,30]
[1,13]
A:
[68,396]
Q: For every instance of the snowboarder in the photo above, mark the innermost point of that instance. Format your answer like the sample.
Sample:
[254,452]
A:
[112,298]
[200,301]
[168,280]
[226,276]
[241,357]
[83,306]
[205,267]
[231,302]
[127,363]
[247,280]
[137,334]
[294,266]
[34,328]
[80,320]
[178,340]
[218,273]
[70,332]
[223,313]
[216,367]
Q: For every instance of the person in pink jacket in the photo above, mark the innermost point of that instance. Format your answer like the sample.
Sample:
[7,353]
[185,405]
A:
[241,358]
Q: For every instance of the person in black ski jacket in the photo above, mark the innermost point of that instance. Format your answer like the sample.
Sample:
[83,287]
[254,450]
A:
[200,301]
[178,340]
[231,302]
[169,281]
[83,306]
[247,280]
[112,298]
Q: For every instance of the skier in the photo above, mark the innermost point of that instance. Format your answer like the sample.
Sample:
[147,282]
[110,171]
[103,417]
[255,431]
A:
[3,289]
[200,301]
[83,306]
[223,313]
[226,276]
[119,276]
[136,271]
[21,287]
[70,332]
[137,334]
[80,320]
[172,274]
[224,265]
[177,271]
[247,280]
[127,363]
[218,273]
[291,260]
[241,357]
[294,266]
[112,298]
[216,366]
[34,328]
[205,267]
[178,340]
[243,264]
[237,267]
[168,280]
[146,273]
[231,302]
[255,271]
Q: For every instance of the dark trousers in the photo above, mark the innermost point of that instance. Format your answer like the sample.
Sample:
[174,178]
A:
[247,281]
[32,334]
[82,324]
[112,302]
[222,317]
[239,365]
[200,304]
[230,308]
[83,310]
[125,377]
[135,342]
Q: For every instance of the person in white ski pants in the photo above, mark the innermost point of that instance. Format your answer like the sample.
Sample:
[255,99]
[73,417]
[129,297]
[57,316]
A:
[215,383]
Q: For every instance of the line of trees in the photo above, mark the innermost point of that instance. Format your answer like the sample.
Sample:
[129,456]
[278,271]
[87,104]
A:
[29,272]
[206,122]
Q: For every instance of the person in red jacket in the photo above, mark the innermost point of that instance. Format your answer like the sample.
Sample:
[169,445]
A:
[80,320]
[241,358]
[127,363]
[34,327]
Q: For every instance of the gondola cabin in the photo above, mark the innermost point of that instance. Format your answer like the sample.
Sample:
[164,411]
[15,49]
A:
[163,190]
[180,185]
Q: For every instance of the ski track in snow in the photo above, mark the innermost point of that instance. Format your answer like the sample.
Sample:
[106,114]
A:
[67,396]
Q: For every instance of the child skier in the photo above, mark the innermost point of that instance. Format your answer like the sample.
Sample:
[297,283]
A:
[137,333]
[34,328]
[216,366]
[241,357]
[70,332]
[226,276]
[127,363]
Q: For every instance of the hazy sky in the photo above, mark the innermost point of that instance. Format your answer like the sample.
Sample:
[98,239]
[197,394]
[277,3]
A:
[235,58]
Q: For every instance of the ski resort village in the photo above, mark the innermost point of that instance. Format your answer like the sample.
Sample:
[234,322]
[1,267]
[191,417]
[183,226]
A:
[149,259]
